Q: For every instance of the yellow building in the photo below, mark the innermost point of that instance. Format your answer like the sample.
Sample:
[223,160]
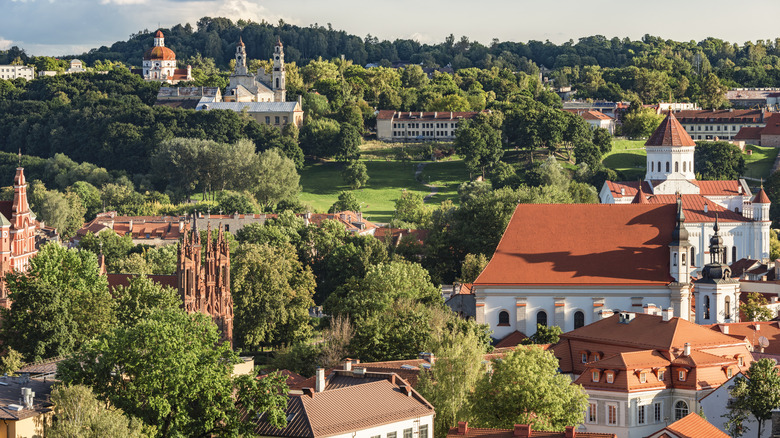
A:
[25,409]
[276,114]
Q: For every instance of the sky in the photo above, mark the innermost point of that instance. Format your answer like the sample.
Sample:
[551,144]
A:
[69,27]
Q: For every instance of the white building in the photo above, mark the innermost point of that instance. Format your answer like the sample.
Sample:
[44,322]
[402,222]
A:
[159,63]
[419,125]
[744,218]
[9,72]
[354,403]
[596,119]
[720,124]
[265,87]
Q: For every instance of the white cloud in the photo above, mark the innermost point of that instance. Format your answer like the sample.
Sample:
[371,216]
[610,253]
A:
[422,38]
[4,43]
[123,2]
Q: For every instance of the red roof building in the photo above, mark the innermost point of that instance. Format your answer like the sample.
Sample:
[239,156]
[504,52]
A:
[519,431]
[692,426]
[159,63]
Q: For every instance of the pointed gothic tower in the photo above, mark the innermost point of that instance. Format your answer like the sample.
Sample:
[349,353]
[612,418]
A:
[717,294]
[22,225]
[278,77]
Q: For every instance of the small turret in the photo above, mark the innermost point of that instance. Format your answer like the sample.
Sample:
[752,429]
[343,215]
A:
[679,248]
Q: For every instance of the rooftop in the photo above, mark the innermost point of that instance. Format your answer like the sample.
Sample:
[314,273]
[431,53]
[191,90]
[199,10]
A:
[691,426]
[670,133]
[519,431]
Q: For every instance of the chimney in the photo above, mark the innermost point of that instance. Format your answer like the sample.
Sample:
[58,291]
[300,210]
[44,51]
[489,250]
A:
[309,392]
[319,385]
[623,191]
[348,364]
[463,427]
[649,309]
[687,349]
[606,313]
[667,314]
[522,431]
[706,208]
[758,327]
[131,225]
[181,226]
[406,390]
[724,329]
[570,432]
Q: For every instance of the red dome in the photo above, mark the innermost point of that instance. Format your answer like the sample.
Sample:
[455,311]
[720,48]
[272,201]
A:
[158,34]
[159,53]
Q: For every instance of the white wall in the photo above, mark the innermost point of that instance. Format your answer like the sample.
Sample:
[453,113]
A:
[714,406]
[397,427]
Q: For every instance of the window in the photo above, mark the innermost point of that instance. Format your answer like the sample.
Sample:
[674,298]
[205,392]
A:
[706,307]
[592,410]
[276,120]
[681,376]
[729,373]
[584,357]
[541,318]
[612,415]
[674,259]
[657,412]
[676,166]
[579,319]
[685,166]
[640,415]
[267,120]
[683,258]
[693,256]
[652,166]
[643,378]
[739,361]
[659,166]
[680,410]
[667,166]
[727,308]
[408,433]
[503,318]
[733,254]
[227,228]
[595,376]
[376,436]
[424,431]
[596,357]
[284,119]
[610,377]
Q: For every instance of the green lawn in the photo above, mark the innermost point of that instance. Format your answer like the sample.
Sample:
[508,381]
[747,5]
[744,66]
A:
[628,157]
[322,184]
[759,163]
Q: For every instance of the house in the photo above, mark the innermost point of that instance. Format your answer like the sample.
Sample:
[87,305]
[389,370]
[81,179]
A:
[642,371]
[744,218]
[720,124]
[692,426]
[354,403]
[265,87]
[418,125]
[751,97]
[276,114]
[611,109]
[520,431]
[76,66]
[187,97]
[766,135]
[596,119]
[25,409]
[159,64]
[11,72]
[148,230]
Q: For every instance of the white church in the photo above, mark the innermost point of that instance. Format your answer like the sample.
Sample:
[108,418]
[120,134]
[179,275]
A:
[264,87]
[642,250]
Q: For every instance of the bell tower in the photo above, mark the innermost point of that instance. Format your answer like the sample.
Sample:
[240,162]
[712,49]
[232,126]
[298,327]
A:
[679,266]
[717,293]
[240,58]
[278,77]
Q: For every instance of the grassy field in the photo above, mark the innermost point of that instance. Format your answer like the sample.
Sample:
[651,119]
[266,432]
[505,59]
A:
[759,163]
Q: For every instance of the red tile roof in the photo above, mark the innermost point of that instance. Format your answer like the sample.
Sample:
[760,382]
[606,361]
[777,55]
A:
[422,116]
[693,207]
[719,188]
[158,34]
[694,116]
[629,187]
[772,125]
[474,432]
[670,133]
[749,133]
[761,197]
[691,426]
[583,244]
[511,340]
[752,331]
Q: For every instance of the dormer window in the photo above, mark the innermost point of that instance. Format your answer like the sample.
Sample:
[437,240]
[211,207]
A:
[584,357]
[740,361]
[595,376]
[681,376]
[729,373]
[610,377]
[596,357]
[661,376]
[643,378]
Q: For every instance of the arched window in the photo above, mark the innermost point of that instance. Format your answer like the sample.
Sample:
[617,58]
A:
[676,166]
[685,166]
[683,258]
[725,255]
[674,259]
[579,319]
[733,254]
[727,307]
[659,166]
[706,307]
[680,410]
[277,83]
[667,166]
[652,166]
[503,318]
[541,318]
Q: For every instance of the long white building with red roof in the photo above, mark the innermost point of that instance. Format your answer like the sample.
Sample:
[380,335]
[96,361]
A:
[743,217]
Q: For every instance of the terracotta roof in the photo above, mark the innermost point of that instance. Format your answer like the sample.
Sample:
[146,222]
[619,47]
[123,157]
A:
[720,188]
[474,432]
[700,358]
[749,133]
[761,197]
[583,244]
[747,115]
[691,426]
[350,219]
[159,53]
[632,360]
[772,125]
[158,34]
[641,197]
[629,187]
[293,379]
[752,331]
[670,133]
[595,115]
[425,115]
[348,409]
[396,235]
[693,207]
[466,289]
[743,265]
[511,340]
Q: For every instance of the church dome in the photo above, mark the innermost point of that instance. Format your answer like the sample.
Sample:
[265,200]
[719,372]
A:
[159,53]
[158,34]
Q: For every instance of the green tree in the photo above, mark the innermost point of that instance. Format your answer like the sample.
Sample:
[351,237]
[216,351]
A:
[756,394]
[479,141]
[346,202]
[602,140]
[774,245]
[348,143]
[641,123]
[278,179]
[236,202]
[718,160]
[272,293]
[526,388]
[473,265]
[713,93]
[181,388]
[113,246]
[11,362]
[355,175]
[755,308]
[410,211]
[544,335]
[142,297]
[81,414]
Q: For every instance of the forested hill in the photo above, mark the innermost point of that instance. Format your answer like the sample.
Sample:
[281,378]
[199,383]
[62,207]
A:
[750,64]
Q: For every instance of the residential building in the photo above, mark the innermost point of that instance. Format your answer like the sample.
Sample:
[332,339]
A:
[596,119]
[76,66]
[264,87]
[643,371]
[147,230]
[354,404]
[187,97]
[25,409]
[519,431]
[10,72]
[751,97]
[692,426]
[719,124]
[663,107]
[744,218]
[276,114]
[159,64]
[611,109]
[418,125]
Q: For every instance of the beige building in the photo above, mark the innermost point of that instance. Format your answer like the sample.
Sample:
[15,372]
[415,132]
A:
[17,71]
[419,125]
[277,114]
[264,87]
[720,124]
[24,407]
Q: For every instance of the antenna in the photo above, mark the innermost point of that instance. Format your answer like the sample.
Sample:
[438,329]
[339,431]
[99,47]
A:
[763,342]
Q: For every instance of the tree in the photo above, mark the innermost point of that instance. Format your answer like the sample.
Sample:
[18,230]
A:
[473,265]
[641,123]
[544,335]
[718,160]
[410,211]
[602,140]
[774,245]
[479,141]
[11,362]
[346,202]
[348,143]
[81,414]
[181,388]
[107,242]
[355,175]
[60,303]
[141,298]
[278,179]
[755,308]
[236,202]
[713,94]
[452,377]
[272,293]
[756,394]
[526,388]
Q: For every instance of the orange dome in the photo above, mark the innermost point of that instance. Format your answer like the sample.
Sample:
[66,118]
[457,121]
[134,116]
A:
[158,34]
[159,53]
